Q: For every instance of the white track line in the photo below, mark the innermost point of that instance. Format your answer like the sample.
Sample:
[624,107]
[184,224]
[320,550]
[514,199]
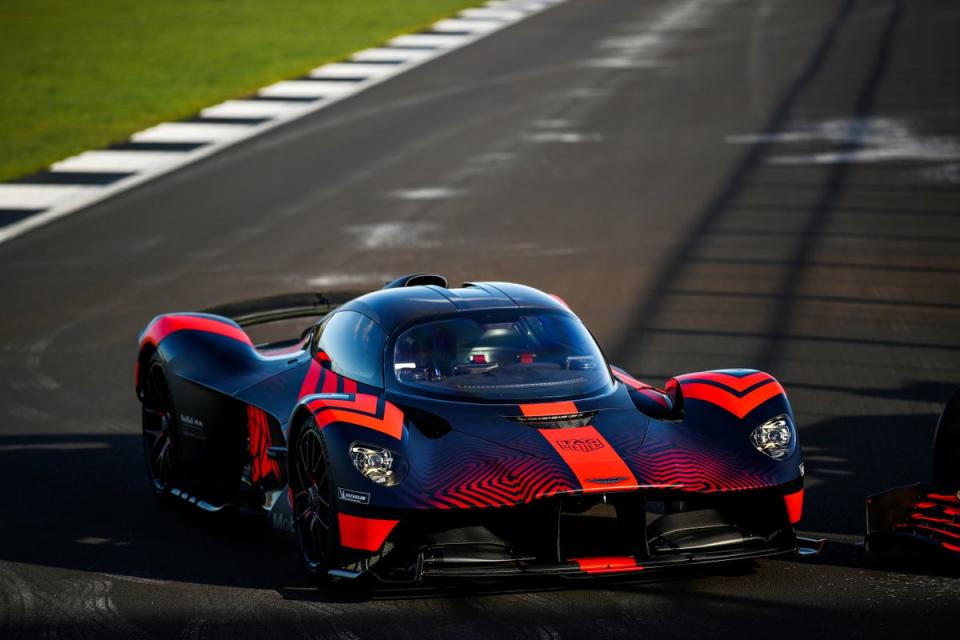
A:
[386,53]
[407,51]
[494,14]
[254,109]
[435,40]
[307,89]
[119,161]
[191,132]
[470,26]
[354,70]
[35,196]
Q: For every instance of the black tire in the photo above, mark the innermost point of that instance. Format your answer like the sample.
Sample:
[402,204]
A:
[160,449]
[946,447]
[314,502]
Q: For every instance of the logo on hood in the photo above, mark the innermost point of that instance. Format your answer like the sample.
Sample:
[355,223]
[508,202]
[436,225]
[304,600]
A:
[583,445]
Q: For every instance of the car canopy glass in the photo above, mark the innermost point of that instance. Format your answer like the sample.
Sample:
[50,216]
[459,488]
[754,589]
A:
[517,355]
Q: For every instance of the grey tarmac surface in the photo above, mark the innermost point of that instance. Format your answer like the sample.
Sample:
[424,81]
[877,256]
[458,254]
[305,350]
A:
[768,184]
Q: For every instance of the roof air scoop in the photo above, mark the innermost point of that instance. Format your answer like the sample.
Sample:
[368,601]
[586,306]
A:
[416,280]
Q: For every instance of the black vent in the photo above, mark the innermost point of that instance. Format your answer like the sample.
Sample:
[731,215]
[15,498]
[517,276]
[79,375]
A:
[417,279]
[566,421]
[429,424]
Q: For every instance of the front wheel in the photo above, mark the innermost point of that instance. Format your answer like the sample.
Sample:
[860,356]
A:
[314,504]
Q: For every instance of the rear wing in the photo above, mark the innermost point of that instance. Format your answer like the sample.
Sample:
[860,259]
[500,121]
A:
[281,307]
[305,305]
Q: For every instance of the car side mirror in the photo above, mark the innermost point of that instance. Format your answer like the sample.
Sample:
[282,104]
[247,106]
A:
[674,394]
[661,404]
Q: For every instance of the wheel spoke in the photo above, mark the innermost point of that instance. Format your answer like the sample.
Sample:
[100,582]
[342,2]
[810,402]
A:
[150,441]
[305,461]
[157,436]
[165,450]
[314,521]
[302,469]
[159,457]
[312,505]
[312,466]
[162,470]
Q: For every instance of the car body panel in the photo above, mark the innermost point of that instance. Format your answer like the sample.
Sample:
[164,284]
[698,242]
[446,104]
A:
[457,455]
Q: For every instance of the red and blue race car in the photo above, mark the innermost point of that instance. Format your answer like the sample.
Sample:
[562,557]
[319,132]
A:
[423,431]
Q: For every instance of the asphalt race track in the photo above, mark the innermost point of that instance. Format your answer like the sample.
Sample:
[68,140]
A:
[770,184]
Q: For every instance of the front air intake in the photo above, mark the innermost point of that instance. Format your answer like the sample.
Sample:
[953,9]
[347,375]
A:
[566,421]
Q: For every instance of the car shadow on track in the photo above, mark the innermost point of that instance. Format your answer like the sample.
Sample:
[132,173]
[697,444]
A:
[464,588]
[848,458]
[83,503]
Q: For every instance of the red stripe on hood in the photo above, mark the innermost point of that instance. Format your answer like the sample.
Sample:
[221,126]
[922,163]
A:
[591,458]
[541,409]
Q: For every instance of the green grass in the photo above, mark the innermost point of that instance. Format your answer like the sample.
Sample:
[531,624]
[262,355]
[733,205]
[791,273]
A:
[77,75]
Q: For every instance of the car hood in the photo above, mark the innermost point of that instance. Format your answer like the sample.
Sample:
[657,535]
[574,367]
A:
[608,421]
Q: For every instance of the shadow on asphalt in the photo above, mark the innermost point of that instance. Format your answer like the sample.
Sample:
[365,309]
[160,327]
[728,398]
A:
[849,458]
[84,504]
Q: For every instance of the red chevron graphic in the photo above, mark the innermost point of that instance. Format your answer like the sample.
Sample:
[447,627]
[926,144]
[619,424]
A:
[737,384]
[726,400]
[331,410]
[362,402]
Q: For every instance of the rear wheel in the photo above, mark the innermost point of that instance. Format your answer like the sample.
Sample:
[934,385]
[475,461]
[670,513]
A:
[314,506]
[159,438]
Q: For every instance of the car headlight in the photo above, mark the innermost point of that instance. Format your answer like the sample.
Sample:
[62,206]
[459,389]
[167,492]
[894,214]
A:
[375,463]
[776,437]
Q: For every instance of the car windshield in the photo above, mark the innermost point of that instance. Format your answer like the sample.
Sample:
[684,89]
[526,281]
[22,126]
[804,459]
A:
[515,355]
